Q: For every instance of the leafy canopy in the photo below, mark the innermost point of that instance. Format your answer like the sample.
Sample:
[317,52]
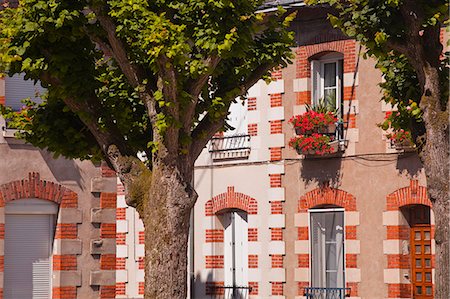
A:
[142,75]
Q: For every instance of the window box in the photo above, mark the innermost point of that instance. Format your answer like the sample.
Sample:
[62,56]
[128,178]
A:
[315,145]
[404,146]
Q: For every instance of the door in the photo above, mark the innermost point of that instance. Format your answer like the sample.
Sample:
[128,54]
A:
[28,239]
[421,262]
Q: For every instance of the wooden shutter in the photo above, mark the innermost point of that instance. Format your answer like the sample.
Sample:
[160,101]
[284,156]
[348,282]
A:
[241,249]
[316,81]
[17,89]
[28,240]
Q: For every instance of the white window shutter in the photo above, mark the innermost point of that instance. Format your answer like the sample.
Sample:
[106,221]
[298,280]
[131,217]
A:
[17,89]
[228,249]
[238,118]
[28,240]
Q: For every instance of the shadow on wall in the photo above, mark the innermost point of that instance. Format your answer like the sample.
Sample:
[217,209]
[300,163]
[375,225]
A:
[321,171]
[200,287]
[63,169]
[409,164]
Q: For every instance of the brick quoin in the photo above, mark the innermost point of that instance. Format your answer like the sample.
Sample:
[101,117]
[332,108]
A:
[276,234]
[303,260]
[275,153]
[275,180]
[66,231]
[399,261]
[353,288]
[252,129]
[276,207]
[351,119]
[108,200]
[2,231]
[2,100]
[214,235]
[277,288]
[252,235]
[251,104]
[107,292]
[303,98]
[108,262]
[106,171]
[253,261]
[276,100]
[327,195]
[254,287]
[120,263]
[121,238]
[2,263]
[141,263]
[141,288]
[121,288]
[277,73]
[302,233]
[301,285]
[397,232]
[399,290]
[349,93]
[276,127]
[350,232]
[141,237]
[214,261]
[34,187]
[411,195]
[351,260]
[108,230]
[121,213]
[277,260]
[64,293]
[66,262]
[120,189]
[231,200]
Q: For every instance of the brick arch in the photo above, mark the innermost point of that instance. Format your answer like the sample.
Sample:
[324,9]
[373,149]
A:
[411,195]
[329,196]
[231,200]
[34,187]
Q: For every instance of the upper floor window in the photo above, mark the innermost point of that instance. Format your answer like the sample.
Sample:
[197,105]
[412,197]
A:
[327,80]
[327,248]
[17,89]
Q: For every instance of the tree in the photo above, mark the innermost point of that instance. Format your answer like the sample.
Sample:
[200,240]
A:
[404,37]
[153,77]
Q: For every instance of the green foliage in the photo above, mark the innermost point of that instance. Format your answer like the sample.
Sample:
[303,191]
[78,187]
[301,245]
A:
[65,46]
[380,24]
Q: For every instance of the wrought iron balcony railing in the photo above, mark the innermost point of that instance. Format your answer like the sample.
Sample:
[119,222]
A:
[327,293]
[232,292]
[230,147]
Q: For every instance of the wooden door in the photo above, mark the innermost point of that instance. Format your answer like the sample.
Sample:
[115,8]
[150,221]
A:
[421,262]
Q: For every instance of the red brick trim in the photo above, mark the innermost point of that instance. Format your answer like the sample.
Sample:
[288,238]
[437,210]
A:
[214,288]
[64,293]
[275,153]
[251,104]
[413,194]
[108,262]
[253,235]
[108,292]
[66,231]
[108,200]
[399,290]
[327,195]
[66,262]
[121,288]
[277,288]
[277,260]
[276,234]
[231,200]
[252,129]
[276,127]
[253,261]
[276,100]
[254,287]
[303,260]
[214,235]
[34,187]
[108,230]
[141,288]
[276,207]
[214,261]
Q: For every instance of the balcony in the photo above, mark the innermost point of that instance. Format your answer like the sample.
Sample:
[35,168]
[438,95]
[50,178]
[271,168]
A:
[233,147]
[327,293]
[232,292]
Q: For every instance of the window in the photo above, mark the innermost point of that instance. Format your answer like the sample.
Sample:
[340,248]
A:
[237,118]
[17,89]
[29,229]
[236,253]
[327,80]
[327,248]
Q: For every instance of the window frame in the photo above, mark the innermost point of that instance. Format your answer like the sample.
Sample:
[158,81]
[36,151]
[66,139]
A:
[344,265]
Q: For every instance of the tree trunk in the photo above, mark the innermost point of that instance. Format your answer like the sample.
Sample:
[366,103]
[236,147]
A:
[435,158]
[165,214]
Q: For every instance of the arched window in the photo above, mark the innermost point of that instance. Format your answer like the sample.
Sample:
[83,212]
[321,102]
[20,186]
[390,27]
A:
[235,224]
[327,79]
[327,247]
[29,230]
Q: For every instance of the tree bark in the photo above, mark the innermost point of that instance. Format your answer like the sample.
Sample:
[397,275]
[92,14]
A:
[435,158]
[165,214]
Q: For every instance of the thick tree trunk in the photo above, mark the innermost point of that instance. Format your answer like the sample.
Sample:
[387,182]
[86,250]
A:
[435,158]
[165,214]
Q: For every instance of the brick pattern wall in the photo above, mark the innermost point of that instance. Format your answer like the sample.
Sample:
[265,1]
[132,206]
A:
[34,187]
[317,197]
[413,194]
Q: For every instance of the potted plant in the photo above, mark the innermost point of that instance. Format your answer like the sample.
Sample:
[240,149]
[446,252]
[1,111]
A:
[401,139]
[314,122]
[314,144]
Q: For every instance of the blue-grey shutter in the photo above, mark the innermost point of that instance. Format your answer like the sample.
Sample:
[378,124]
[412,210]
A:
[17,89]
